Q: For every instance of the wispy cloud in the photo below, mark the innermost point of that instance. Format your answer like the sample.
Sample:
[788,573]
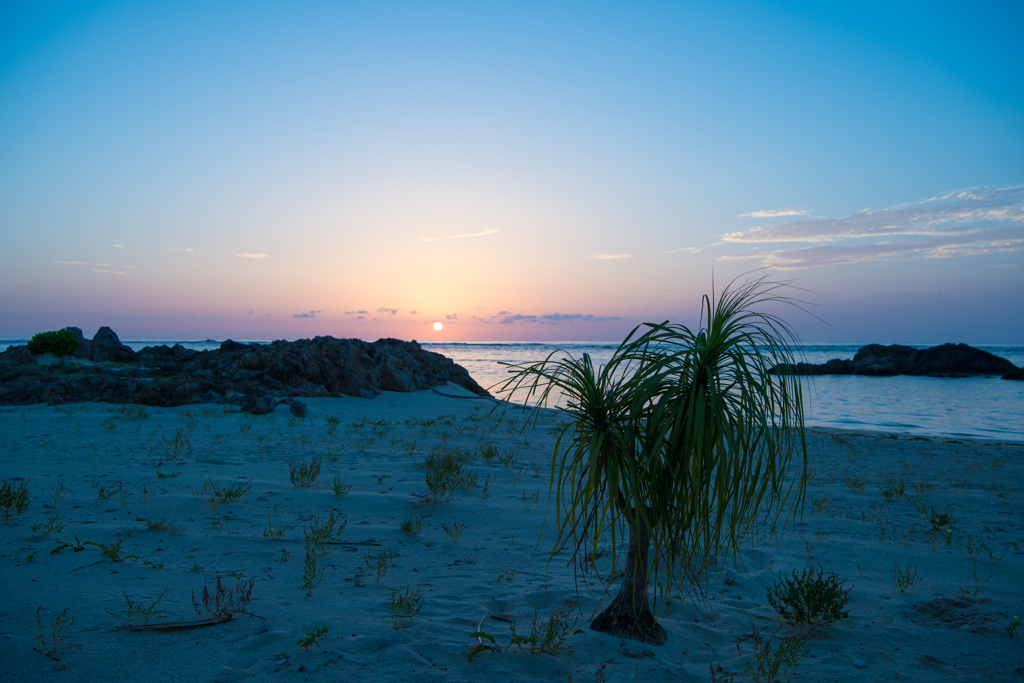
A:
[689,250]
[414,312]
[483,233]
[772,213]
[390,311]
[351,312]
[961,223]
[101,265]
[104,270]
[119,246]
[609,257]
[955,213]
[992,242]
[253,255]
[311,314]
[555,318]
[180,249]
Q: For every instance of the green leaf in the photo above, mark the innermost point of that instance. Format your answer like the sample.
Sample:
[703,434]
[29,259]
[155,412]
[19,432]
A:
[475,651]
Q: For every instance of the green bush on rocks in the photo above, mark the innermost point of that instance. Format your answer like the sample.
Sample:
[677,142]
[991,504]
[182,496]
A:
[59,343]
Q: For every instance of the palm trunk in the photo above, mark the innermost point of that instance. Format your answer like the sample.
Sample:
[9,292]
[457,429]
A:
[629,615]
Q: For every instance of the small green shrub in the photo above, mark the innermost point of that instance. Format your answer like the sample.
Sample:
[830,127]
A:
[312,638]
[854,484]
[50,645]
[339,487]
[547,635]
[809,597]
[905,579]
[304,475]
[311,574]
[139,613]
[413,527]
[892,490]
[940,521]
[405,607]
[323,531]
[59,343]
[454,530]
[13,498]
[177,447]
[379,563]
[223,603]
[544,636]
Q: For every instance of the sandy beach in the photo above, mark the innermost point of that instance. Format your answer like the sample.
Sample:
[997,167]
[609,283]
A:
[158,484]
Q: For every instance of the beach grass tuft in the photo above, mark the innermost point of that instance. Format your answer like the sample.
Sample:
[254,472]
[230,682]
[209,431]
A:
[311,574]
[775,659]
[177,447]
[413,527]
[453,530]
[50,643]
[379,563]
[303,475]
[223,603]
[217,494]
[138,614]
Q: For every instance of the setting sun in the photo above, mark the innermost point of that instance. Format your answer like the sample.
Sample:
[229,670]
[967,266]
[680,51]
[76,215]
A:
[438,326]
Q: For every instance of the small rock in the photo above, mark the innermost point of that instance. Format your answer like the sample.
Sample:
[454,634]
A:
[859,663]
[298,409]
[258,404]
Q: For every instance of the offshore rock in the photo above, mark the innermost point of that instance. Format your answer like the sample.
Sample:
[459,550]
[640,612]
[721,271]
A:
[882,361]
[253,376]
[947,360]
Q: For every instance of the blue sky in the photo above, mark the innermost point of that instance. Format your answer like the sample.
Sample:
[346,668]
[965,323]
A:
[512,170]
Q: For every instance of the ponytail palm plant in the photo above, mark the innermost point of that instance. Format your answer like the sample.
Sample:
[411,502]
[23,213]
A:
[683,437]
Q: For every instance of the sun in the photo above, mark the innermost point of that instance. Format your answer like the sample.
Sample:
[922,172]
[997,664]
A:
[438,326]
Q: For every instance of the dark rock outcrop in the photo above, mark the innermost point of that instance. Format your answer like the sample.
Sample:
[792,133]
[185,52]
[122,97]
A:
[881,361]
[104,347]
[947,360]
[252,376]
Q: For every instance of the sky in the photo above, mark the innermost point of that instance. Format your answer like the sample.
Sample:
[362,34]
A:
[513,170]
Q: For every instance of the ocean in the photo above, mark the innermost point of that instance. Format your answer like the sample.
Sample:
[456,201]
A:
[975,407]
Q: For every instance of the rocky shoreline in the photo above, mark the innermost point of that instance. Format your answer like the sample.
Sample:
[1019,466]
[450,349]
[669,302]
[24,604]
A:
[946,360]
[255,377]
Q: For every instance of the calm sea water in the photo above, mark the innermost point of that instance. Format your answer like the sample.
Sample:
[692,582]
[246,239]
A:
[976,407]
